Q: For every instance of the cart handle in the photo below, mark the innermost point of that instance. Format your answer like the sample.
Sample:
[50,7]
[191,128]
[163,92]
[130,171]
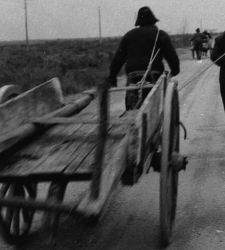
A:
[118,89]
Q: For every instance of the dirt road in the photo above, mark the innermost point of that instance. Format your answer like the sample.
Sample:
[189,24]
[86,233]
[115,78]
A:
[132,219]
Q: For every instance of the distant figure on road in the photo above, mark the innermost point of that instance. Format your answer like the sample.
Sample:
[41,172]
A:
[192,50]
[135,51]
[197,41]
[207,43]
[217,52]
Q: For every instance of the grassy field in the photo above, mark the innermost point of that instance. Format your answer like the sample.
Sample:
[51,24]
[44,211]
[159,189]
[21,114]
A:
[79,64]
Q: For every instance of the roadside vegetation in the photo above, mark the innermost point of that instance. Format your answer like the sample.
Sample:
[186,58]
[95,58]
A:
[79,63]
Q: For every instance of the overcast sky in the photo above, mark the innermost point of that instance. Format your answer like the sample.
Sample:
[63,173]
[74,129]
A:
[79,18]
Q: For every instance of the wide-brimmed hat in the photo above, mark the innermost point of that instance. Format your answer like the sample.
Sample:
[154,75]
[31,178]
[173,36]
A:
[145,17]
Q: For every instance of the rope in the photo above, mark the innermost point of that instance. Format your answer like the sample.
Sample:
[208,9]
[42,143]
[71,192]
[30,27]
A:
[143,79]
[152,58]
[187,82]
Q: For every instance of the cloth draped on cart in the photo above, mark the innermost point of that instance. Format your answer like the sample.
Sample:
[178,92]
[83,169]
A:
[132,96]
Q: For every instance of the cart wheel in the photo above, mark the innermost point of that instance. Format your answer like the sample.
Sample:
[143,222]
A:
[15,223]
[168,175]
[55,194]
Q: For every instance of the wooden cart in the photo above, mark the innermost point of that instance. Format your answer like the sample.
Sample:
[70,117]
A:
[78,142]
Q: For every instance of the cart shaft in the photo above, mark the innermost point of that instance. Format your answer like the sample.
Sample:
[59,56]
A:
[39,205]
[46,177]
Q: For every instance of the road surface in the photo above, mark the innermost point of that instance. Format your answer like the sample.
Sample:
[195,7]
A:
[131,220]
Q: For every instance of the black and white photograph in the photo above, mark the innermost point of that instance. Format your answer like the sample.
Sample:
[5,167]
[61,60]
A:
[112,125]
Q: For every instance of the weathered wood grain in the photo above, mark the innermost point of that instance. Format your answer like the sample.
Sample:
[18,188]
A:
[85,163]
[118,89]
[73,149]
[70,109]
[110,177]
[152,110]
[15,136]
[62,120]
[117,128]
[103,99]
[152,107]
[145,125]
[30,159]
[36,102]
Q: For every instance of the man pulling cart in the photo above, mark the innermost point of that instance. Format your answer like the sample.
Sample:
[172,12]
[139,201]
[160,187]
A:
[99,147]
[136,48]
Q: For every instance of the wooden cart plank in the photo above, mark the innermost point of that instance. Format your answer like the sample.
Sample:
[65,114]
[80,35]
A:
[78,145]
[31,158]
[86,151]
[110,177]
[63,144]
[56,152]
[85,164]
[150,113]
[63,120]
[17,136]
[152,107]
[59,159]
[32,103]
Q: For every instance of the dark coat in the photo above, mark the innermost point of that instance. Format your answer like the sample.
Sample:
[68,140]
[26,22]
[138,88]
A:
[135,51]
[197,40]
[217,51]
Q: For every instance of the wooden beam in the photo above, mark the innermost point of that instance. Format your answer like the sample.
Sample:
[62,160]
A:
[102,136]
[46,177]
[118,89]
[72,108]
[40,205]
[28,130]
[74,120]
[110,178]
[62,120]
[38,101]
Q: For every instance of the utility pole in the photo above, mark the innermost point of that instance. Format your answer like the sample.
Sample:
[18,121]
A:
[26,24]
[100,25]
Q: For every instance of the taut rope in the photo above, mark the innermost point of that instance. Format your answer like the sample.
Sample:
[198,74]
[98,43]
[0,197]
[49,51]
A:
[187,82]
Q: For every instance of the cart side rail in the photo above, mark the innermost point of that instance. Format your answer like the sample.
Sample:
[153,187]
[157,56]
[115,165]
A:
[141,130]
[17,136]
[149,118]
[35,102]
